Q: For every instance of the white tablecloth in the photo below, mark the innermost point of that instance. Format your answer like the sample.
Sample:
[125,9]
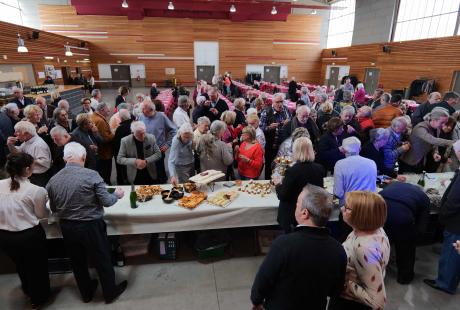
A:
[154,216]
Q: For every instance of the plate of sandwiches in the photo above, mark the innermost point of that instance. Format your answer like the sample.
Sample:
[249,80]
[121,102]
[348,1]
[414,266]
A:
[223,199]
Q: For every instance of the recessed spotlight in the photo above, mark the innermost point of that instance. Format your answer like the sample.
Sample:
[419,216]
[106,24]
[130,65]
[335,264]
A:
[314,12]
[125,4]
[49,57]
[170,6]
[233,8]
[274,11]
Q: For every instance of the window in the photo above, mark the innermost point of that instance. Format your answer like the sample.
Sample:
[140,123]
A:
[341,23]
[421,19]
[11,12]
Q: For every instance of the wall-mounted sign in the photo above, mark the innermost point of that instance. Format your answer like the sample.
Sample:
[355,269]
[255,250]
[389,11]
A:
[170,71]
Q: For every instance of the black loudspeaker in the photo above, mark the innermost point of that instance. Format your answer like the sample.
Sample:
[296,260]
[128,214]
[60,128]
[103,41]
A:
[82,44]
[334,53]
[386,49]
[35,35]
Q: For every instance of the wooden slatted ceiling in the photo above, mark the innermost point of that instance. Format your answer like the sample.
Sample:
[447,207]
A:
[48,44]
[431,58]
[240,43]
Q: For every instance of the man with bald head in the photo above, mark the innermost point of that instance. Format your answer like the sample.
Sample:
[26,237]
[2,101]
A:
[425,108]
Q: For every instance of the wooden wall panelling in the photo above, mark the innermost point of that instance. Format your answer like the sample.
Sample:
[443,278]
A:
[435,58]
[240,43]
[48,44]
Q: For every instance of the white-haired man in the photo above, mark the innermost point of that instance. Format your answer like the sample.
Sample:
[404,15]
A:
[20,100]
[33,145]
[181,161]
[180,115]
[139,152]
[96,98]
[353,173]
[78,196]
[159,125]
[301,119]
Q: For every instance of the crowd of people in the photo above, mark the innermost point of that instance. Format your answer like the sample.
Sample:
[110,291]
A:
[68,158]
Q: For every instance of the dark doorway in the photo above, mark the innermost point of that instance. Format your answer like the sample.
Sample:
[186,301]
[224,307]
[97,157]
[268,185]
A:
[272,74]
[333,76]
[205,73]
[121,75]
[371,80]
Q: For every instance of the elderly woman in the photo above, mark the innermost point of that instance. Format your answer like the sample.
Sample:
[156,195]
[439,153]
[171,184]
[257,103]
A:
[231,133]
[325,113]
[33,114]
[64,104]
[60,119]
[201,129]
[368,252]
[259,105]
[12,111]
[214,153]
[240,105]
[181,161]
[115,119]
[364,117]
[346,101]
[330,144]
[303,172]
[139,152]
[137,108]
[254,121]
[359,97]
[286,150]
[374,149]
[22,238]
[351,126]
[249,155]
[200,109]
[424,139]
[180,115]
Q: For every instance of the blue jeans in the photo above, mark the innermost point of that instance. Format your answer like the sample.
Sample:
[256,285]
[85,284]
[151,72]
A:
[449,264]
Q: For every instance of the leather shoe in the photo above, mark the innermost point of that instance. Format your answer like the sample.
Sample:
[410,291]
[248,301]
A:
[119,290]
[87,299]
[432,283]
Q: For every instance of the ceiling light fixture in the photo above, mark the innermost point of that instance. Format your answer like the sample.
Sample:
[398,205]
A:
[21,47]
[170,6]
[313,12]
[274,11]
[124,4]
[49,57]
[68,52]
[232,9]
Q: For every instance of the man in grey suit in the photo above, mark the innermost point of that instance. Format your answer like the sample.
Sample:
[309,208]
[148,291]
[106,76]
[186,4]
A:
[139,152]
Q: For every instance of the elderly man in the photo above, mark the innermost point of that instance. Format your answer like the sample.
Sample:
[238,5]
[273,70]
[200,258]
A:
[424,108]
[424,139]
[78,196]
[180,115]
[154,91]
[301,119]
[272,119]
[375,100]
[86,106]
[351,127]
[319,100]
[12,111]
[354,172]
[383,116]
[139,152]
[88,133]
[216,105]
[291,276]
[159,125]
[33,145]
[181,160]
[105,149]
[201,108]
[449,101]
[33,114]
[96,98]
[393,149]
[304,96]
[61,137]
[384,101]
[46,108]
[115,119]
[20,100]
[64,104]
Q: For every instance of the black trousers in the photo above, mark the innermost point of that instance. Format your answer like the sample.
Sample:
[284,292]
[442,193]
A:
[339,303]
[161,172]
[83,238]
[270,155]
[40,179]
[27,249]
[104,167]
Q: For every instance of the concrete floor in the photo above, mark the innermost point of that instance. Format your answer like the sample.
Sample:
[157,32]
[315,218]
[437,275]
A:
[221,285]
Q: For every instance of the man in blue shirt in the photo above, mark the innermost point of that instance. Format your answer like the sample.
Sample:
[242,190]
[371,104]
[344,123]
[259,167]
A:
[159,125]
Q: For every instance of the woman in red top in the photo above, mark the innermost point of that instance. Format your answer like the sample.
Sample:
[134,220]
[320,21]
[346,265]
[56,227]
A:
[249,155]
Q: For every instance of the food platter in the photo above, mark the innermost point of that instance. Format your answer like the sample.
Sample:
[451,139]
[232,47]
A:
[146,192]
[223,199]
[256,188]
[207,176]
[192,201]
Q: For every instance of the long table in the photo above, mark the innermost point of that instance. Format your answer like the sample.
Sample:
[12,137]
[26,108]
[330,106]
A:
[154,216]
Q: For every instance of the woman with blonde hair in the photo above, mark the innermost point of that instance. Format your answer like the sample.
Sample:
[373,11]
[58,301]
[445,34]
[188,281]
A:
[249,155]
[325,113]
[231,133]
[368,252]
[240,119]
[304,171]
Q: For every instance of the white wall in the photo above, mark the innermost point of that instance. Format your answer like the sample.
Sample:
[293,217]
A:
[206,53]
[136,69]
[343,71]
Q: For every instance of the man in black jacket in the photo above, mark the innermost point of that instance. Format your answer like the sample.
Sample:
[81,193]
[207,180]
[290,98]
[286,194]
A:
[408,213]
[21,101]
[449,262]
[449,101]
[217,105]
[425,108]
[305,267]
[292,90]
[301,119]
